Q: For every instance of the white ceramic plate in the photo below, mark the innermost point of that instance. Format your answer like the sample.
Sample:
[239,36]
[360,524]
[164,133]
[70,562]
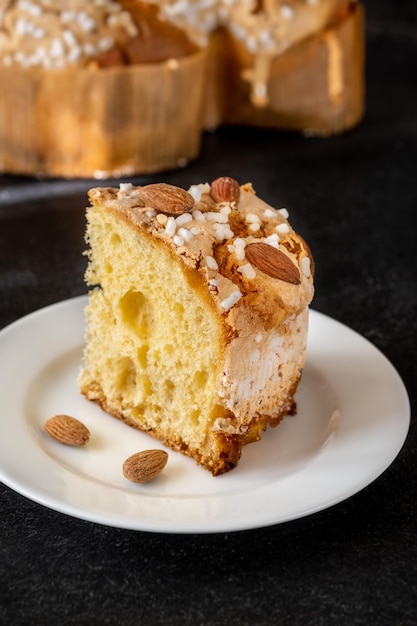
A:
[353,417]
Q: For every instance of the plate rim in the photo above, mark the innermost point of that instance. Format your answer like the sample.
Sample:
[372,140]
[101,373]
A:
[54,502]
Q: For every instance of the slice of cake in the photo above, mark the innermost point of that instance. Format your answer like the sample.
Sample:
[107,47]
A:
[197,316]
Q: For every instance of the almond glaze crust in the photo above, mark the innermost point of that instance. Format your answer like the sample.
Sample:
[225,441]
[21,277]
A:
[198,314]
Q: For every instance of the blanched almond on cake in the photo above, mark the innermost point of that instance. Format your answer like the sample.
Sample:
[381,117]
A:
[166,198]
[144,466]
[67,430]
[272,262]
[225,189]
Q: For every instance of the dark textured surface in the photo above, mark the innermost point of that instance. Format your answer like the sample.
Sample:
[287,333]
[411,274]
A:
[354,198]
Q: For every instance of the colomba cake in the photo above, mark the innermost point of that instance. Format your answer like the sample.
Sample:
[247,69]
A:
[197,318]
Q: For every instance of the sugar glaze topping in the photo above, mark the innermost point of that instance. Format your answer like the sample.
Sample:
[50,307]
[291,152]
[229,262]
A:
[59,33]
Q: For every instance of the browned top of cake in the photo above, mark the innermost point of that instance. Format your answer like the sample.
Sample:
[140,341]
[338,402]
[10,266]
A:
[243,248]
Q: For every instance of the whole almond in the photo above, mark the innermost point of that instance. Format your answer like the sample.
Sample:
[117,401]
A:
[225,189]
[272,262]
[144,466]
[67,429]
[166,198]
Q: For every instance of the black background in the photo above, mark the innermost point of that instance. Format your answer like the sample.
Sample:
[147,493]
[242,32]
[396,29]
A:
[354,198]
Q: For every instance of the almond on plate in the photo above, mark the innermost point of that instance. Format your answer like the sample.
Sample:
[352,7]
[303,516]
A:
[143,466]
[67,429]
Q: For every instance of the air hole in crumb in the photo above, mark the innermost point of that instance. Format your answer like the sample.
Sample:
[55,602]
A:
[145,385]
[125,375]
[200,379]
[135,311]
[115,239]
[195,416]
[142,353]
[169,389]
[178,309]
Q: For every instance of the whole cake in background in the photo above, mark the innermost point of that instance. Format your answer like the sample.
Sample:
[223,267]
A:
[197,318]
[95,89]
